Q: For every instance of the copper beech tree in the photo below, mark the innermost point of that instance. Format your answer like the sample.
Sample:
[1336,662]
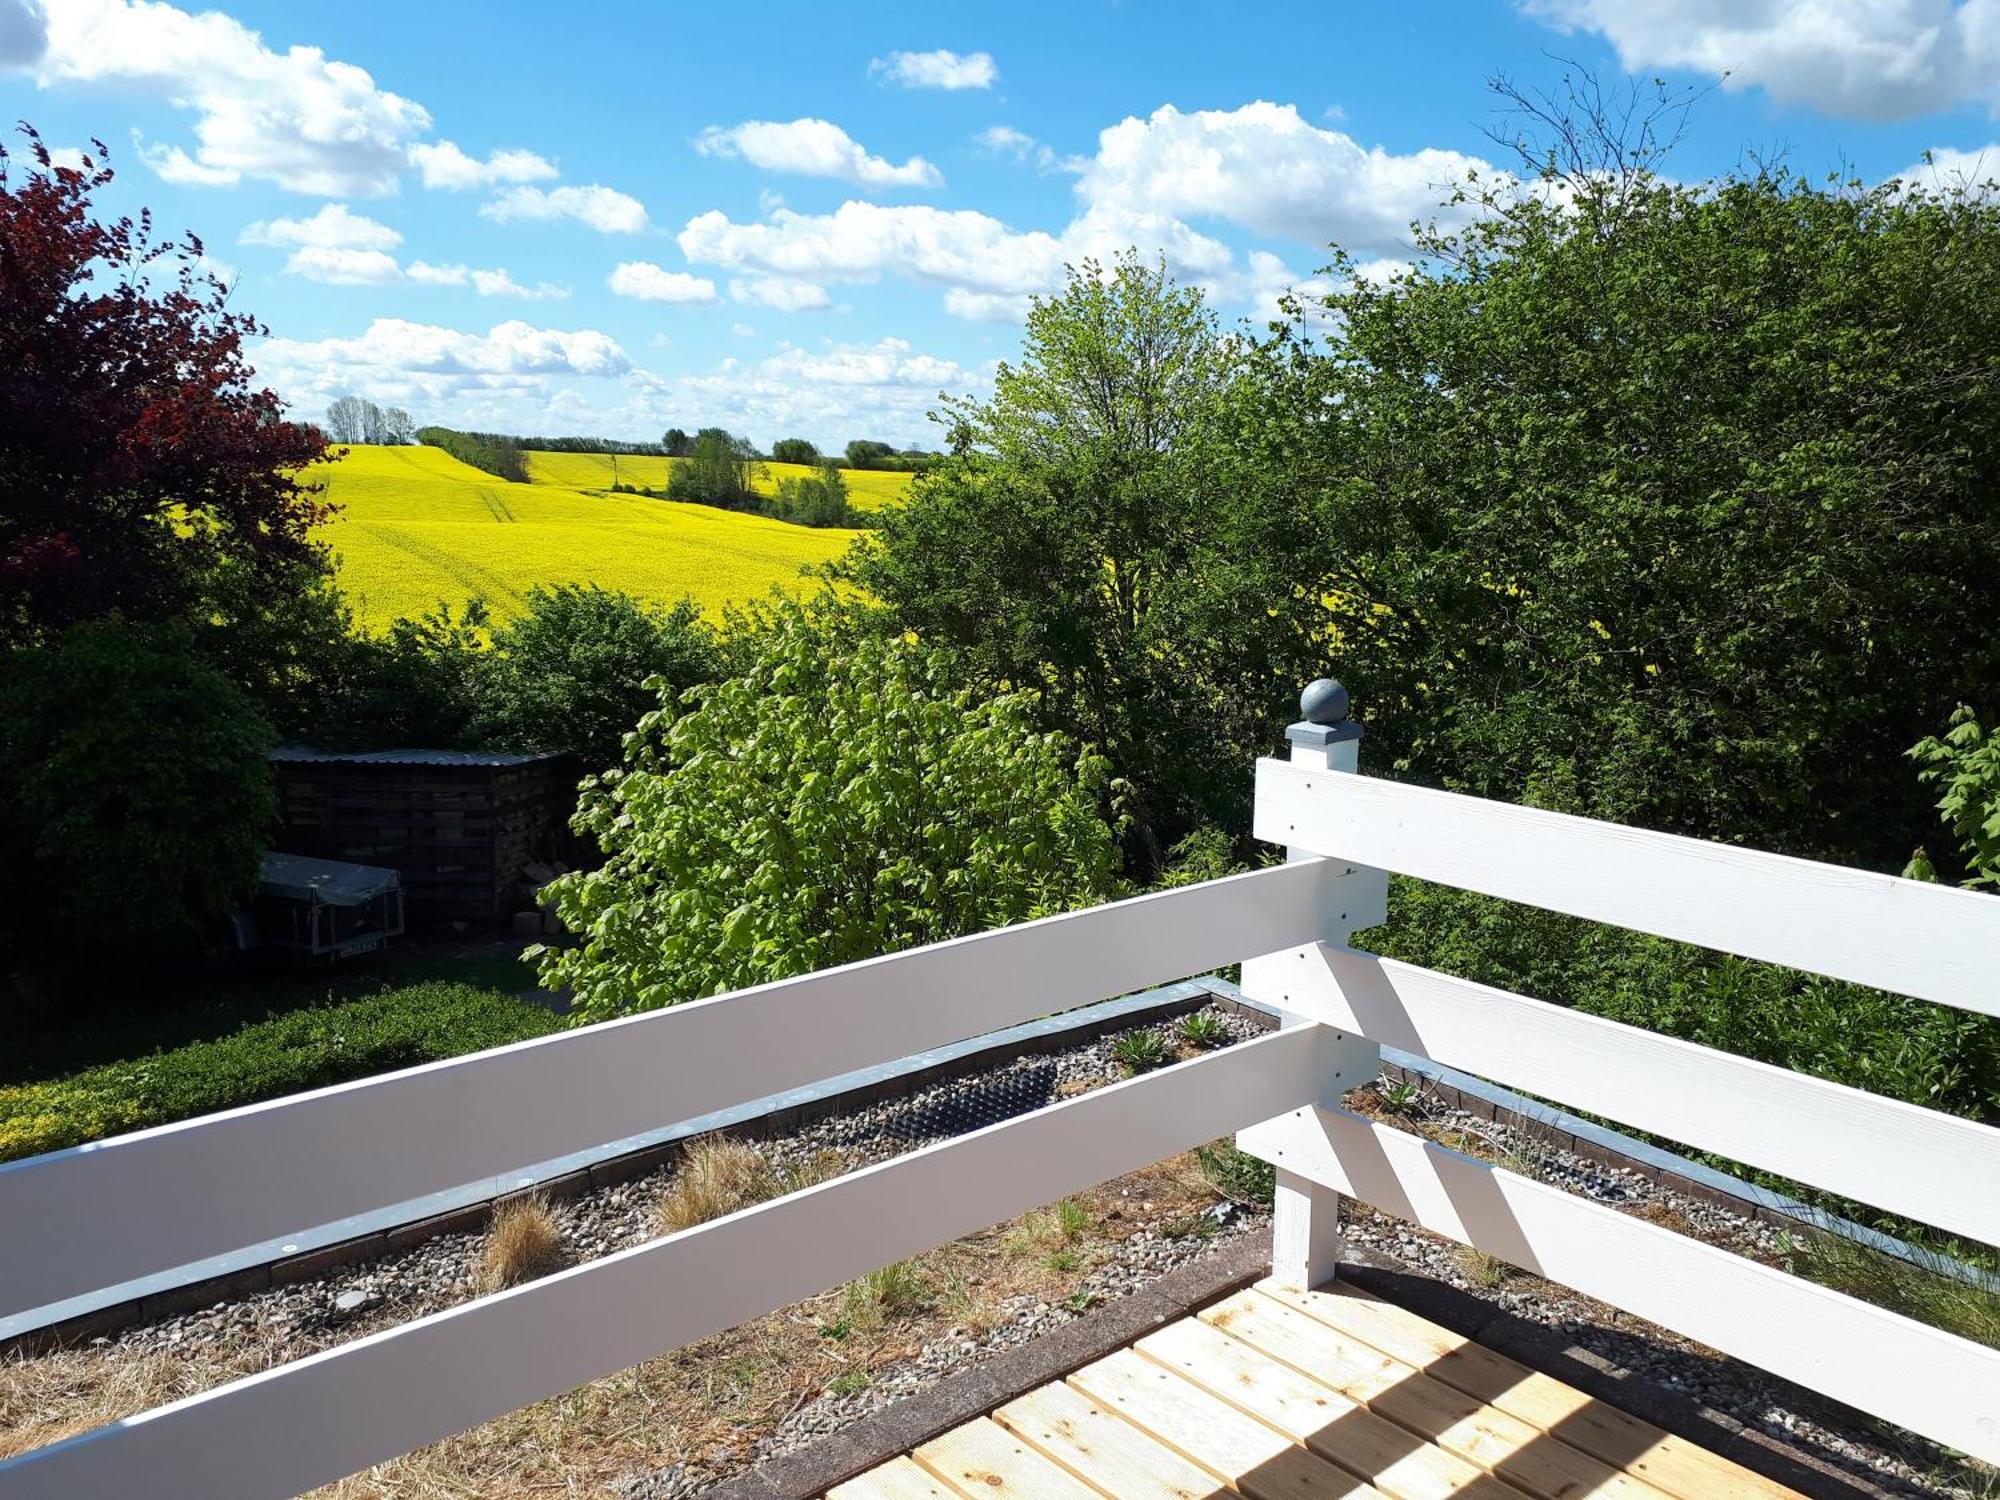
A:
[138,458]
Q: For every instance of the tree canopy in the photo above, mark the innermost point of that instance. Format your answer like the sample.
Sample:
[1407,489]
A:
[136,454]
[844,796]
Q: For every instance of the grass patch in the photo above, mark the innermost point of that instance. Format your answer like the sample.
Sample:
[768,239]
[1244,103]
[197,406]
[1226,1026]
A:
[1236,1174]
[1914,1290]
[720,1176]
[524,1244]
[283,1054]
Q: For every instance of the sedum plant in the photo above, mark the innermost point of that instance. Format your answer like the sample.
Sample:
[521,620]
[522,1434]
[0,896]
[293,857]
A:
[842,797]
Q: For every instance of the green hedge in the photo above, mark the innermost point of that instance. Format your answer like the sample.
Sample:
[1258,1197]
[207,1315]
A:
[304,1049]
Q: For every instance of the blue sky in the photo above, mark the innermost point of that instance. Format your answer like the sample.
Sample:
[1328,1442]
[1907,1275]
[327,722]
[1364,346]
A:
[810,219]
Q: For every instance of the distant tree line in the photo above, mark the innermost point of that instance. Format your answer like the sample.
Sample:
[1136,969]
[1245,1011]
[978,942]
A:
[495,452]
[355,419]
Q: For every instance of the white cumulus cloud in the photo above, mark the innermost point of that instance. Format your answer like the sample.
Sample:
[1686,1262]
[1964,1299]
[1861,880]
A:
[335,225]
[831,394]
[495,282]
[296,117]
[604,209]
[24,33]
[1880,60]
[339,265]
[1264,167]
[813,148]
[651,283]
[785,293]
[442,164]
[941,69]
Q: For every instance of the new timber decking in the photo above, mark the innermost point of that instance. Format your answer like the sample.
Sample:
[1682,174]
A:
[1278,1394]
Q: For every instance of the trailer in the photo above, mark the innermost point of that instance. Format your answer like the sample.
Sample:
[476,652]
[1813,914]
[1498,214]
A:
[324,908]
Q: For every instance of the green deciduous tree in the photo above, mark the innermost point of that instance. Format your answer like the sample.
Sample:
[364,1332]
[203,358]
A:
[717,471]
[571,673]
[1092,537]
[794,451]
[1669,504]
[846,796]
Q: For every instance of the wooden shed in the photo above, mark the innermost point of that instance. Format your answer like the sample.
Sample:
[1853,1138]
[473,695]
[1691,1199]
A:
[457,825]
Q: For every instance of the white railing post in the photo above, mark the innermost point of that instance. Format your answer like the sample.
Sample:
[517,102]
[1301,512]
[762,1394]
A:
[1305,1230]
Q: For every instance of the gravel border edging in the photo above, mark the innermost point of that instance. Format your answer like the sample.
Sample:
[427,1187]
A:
[776,1115]
[960,1398]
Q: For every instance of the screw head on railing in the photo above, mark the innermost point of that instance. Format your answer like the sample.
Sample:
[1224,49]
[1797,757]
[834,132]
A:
[1323,702]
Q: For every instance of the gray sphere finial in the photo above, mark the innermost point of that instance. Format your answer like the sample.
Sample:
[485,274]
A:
[1323,702]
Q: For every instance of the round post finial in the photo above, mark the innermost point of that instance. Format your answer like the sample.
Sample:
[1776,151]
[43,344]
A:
[1323,702]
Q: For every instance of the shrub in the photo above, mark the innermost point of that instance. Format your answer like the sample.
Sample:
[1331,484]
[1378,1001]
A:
[138,795]
[524,1243]
[818,499]
[283,1054]
[840,799]
[1965,763]
[573,673]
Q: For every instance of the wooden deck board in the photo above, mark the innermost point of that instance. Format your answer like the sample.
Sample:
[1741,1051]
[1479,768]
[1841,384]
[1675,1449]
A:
[1276,1394]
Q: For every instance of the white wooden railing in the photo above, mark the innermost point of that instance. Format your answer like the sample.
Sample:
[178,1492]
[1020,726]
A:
[102,1214]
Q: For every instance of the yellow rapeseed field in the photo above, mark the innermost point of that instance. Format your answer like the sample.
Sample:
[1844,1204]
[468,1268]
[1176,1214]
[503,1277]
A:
[416,527]
[867,489]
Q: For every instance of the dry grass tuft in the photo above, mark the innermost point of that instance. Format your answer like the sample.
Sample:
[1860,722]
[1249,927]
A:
[719,1177]
[525,1243]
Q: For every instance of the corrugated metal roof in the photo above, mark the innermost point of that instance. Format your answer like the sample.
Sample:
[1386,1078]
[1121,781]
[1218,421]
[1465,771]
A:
[304,753]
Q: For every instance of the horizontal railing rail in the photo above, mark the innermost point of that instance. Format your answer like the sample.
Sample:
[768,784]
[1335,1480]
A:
[1932,942]
[305,1423]
[104,1213]
[1902,1157]
[1930,1381]
[100,1214]
[1935,942]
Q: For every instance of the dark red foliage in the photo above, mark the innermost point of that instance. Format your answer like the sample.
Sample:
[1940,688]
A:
[136,455]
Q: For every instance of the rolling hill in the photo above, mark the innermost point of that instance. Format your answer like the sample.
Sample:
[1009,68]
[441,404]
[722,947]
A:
[416,527]
[867,489]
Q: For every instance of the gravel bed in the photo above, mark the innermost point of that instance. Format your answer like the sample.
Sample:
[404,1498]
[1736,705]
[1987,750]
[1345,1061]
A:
[289,1322]
[1736,1390]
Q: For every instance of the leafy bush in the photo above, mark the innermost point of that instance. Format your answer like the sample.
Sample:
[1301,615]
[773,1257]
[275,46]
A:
[572,672]
[844,797]
[304,1049]
[1965,762]
[138,795]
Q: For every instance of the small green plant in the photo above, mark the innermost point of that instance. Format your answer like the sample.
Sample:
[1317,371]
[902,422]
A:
[1482,1269]
[1195,1226]
[1064,1261]
[1140,1052]
[1078,1302]
[895,1291]
[1072,1220]
[1923,1289]
[1204,1029]
[848,1383]
[1237,1175]
[1399,1096]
